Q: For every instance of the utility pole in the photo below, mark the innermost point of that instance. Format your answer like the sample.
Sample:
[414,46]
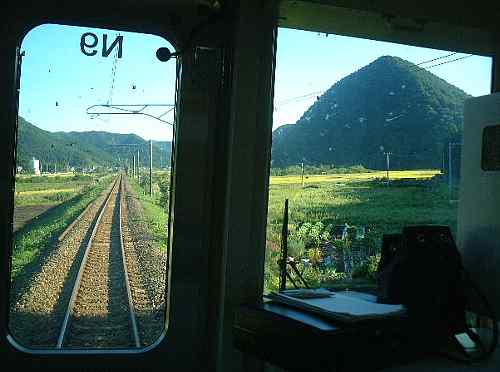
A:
[450,166]
[138,168]
[284,249]
[133,166]
[302,165]
[388,164]
[151,168]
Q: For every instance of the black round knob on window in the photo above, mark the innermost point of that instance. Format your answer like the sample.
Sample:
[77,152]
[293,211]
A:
[163,54]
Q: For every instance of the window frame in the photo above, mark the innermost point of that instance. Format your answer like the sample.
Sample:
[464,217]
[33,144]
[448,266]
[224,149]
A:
[175,345]
[294,23]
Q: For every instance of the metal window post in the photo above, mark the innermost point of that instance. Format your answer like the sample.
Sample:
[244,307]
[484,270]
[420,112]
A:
[151,168]
[449,168]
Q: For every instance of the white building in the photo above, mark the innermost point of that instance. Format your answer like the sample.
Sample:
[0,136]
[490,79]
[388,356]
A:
[36,166]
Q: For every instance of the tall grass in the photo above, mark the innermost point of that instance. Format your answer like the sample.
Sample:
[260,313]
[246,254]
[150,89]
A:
[156,213]
[383,209]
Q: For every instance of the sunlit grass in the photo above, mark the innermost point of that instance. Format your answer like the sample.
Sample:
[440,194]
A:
[156,215]
[321,178]
[50,190]
[51,175]
[44,192]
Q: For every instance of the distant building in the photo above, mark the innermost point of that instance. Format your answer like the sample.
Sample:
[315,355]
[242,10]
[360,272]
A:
[36,166]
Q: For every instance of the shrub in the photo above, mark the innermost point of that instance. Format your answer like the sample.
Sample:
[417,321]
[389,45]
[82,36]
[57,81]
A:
[81,177]
[317,278]
[296,248]
[367,269]
[58,196]
[164,186]
[315,256]
[313,234]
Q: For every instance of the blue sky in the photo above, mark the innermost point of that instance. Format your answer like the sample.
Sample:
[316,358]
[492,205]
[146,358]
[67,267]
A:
[59,82]
[311,62]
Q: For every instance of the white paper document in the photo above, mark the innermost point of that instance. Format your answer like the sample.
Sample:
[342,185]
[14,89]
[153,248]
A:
[347,306]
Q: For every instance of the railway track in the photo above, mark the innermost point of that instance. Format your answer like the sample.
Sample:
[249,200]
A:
[100,312]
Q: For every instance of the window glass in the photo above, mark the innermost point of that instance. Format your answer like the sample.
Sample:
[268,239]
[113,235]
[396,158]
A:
[366,140]
[95,127]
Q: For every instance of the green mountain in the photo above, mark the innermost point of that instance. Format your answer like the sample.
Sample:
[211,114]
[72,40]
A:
[84,149]
[390,105]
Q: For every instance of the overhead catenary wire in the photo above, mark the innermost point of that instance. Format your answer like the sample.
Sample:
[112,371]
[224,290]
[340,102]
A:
[134,109]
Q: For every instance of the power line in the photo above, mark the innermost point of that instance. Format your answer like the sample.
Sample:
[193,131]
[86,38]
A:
[453,60]
[299,98]
[418,68]
[435,59]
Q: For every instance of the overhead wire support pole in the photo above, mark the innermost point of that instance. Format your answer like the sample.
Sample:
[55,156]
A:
[388,164]
[134,163]
[284,249]
[450,168]
[302,165]
[151,168]
[135,109]
[138,167]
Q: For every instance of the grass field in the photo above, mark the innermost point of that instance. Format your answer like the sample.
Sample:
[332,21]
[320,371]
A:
[50,189]
[42,191]
[359,199]
[36,236]
[373,175]
[48,175]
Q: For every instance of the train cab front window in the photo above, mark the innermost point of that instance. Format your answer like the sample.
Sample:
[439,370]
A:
[367,137]
[92,189]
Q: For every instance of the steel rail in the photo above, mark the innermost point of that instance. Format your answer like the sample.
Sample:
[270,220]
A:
[76,287]
[133,322]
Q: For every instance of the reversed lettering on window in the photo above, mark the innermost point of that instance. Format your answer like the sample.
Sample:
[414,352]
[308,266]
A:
[89,45]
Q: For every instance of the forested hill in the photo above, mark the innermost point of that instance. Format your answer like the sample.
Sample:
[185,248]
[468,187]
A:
[390,105]
[84,149]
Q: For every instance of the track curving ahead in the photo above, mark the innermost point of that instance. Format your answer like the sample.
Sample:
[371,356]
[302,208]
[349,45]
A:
[100,312]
